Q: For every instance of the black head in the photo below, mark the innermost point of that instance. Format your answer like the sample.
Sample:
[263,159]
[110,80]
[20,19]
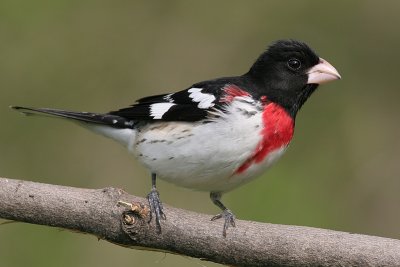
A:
[289,72]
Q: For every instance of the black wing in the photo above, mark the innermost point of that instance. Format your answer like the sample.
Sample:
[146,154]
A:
[163,107]
[192,104]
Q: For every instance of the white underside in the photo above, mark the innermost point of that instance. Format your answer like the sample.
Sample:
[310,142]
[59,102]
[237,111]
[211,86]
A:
[203,156]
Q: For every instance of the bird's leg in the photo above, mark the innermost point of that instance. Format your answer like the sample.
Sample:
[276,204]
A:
[226,213]
[155,204]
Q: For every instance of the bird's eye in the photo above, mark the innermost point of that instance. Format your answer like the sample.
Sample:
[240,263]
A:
[294,64]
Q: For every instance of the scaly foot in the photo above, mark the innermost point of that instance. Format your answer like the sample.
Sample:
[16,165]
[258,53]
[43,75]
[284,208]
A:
[229,219]
[156,208]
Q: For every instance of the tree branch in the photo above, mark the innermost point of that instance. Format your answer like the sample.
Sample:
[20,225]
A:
[249,244]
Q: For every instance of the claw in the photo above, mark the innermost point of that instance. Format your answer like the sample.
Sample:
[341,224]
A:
[156,208]
[229,220]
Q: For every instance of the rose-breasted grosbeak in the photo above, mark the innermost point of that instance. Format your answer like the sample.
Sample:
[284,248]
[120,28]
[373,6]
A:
[217,134]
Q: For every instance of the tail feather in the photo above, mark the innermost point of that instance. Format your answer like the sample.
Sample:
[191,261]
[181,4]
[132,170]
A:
[88,117]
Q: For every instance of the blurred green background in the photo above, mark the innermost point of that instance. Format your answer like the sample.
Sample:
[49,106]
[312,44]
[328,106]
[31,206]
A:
[341,171]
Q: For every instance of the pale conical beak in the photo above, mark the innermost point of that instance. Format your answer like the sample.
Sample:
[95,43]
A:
[323,72]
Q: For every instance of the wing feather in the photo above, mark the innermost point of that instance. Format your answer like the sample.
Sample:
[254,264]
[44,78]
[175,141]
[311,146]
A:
[196,103]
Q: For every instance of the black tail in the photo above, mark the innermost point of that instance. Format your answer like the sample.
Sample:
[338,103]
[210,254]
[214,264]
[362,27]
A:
[88,117]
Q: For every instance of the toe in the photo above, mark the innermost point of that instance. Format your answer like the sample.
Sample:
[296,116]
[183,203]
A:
[156,208]
[216,217]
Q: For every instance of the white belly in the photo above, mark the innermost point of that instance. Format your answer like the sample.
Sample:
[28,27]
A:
[206,156]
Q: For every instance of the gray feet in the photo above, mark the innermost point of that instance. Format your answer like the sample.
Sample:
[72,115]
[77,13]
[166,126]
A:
[156,208]
[226,213]
[229,220]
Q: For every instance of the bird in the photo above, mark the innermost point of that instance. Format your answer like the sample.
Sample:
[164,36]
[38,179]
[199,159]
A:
[218,134]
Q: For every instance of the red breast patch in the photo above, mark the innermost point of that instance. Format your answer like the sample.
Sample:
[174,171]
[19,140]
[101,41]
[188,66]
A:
[277,132]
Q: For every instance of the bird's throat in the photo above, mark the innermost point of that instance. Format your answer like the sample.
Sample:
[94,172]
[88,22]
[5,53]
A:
[300,98]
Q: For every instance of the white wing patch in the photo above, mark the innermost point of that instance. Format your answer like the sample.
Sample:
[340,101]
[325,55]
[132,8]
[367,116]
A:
[205,100]
[157,110]
[168,98]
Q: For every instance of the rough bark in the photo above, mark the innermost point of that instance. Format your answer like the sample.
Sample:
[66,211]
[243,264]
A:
[98,212]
